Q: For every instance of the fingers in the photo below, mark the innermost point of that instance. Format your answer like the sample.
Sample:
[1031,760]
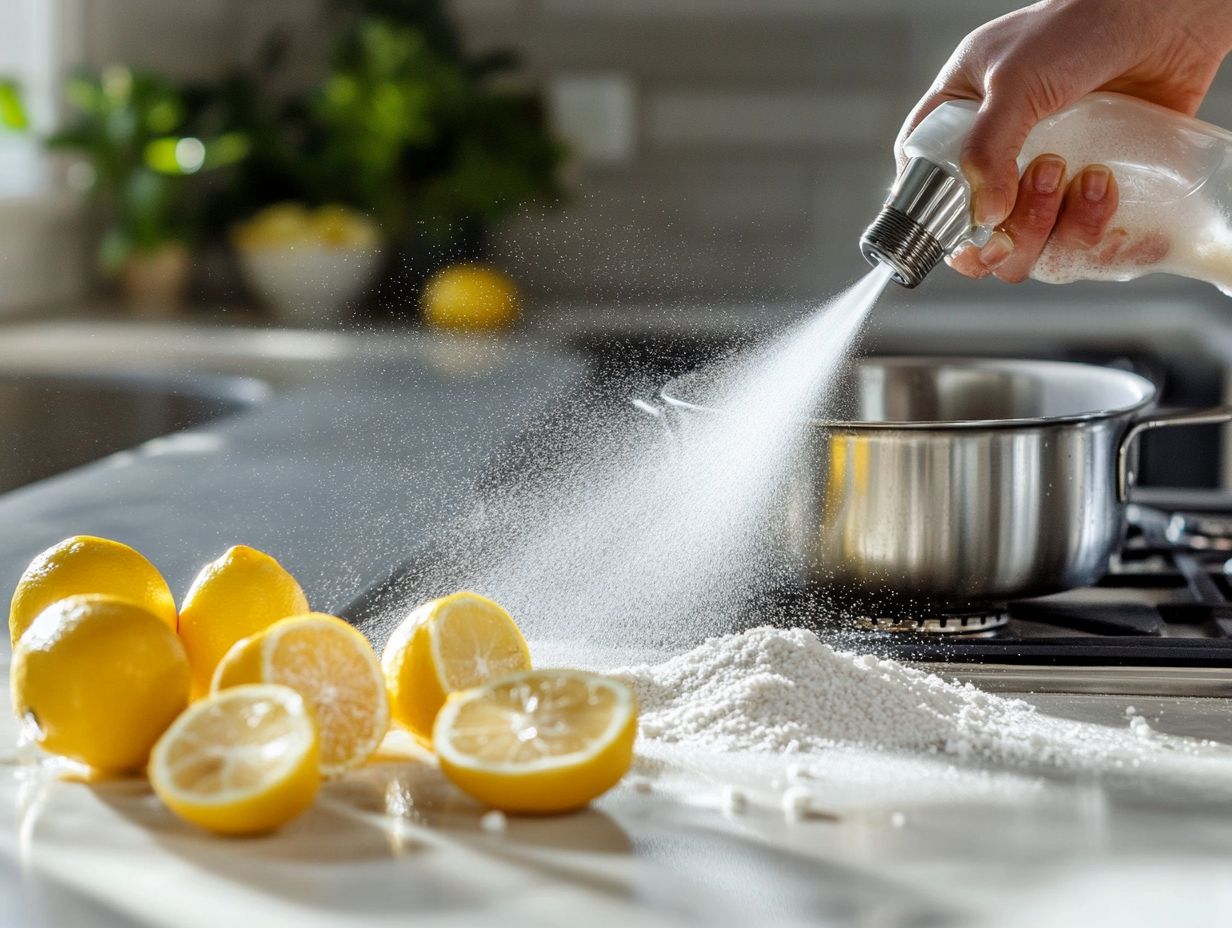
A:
[1048,213]
[990,152]
[1016,246]
[1090,203]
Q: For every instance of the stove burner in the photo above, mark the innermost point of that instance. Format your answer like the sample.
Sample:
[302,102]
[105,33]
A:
[961,623]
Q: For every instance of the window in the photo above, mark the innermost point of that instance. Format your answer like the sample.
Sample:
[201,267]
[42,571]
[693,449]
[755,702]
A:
[28,55]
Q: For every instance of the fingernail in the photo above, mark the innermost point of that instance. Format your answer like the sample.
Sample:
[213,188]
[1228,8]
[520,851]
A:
[989,206]
[996,249]
[1047,176]
[1095,183]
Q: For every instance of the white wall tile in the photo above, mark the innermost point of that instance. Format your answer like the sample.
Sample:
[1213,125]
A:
[595,114]
[768,118]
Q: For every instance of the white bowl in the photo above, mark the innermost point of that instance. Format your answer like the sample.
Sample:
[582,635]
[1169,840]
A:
[309,284]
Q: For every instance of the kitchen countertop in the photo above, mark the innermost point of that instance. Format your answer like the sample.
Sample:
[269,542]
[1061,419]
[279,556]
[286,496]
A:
[366,442]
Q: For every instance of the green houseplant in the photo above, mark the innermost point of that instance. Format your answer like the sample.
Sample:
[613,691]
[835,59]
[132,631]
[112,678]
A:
[403,127]
[143,153]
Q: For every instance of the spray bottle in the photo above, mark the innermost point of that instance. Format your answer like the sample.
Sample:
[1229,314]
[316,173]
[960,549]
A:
[1174,175]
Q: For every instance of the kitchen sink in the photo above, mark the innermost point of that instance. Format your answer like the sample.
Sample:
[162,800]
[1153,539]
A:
[52,422]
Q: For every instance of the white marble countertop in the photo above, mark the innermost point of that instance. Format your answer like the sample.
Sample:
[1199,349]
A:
[393,842]
[343,458]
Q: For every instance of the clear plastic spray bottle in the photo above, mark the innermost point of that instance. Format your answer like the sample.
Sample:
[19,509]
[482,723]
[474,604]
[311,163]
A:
[1174,174]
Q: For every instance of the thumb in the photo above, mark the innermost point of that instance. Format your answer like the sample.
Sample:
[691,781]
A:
[990,153]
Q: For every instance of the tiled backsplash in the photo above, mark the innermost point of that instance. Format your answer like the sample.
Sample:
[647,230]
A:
[754,136]
[764,132]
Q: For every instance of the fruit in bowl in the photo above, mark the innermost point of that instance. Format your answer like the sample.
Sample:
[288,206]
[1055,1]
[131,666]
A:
[308,265]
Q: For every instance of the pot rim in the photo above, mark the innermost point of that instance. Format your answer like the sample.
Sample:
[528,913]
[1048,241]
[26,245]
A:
[1146,387]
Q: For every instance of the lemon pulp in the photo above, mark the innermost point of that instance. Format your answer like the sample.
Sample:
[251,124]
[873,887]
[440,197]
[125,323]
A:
[538,741]
[333,667]
[242,761]
[448,644]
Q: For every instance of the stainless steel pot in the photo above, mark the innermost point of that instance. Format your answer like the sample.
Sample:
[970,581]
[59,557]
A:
[957,483]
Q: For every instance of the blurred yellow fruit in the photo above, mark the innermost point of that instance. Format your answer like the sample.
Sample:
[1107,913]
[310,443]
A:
[470,296]
[240,594]
[99,679]
[240,762]
[448,644]
[540,741]
[332,665]
[290,225]
[85,564]
[339,227]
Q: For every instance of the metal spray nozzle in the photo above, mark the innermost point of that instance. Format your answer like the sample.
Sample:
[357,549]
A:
[926,216]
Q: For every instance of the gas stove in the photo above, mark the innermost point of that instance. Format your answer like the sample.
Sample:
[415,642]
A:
[1159,623]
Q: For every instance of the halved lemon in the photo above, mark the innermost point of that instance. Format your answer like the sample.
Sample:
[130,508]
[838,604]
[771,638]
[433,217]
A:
[539,741]
[332,665]
[448,644]
[243,761]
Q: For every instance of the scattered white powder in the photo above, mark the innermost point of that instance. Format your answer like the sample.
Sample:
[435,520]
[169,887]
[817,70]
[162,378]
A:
[640,785]
[1141,727]
[494,822]
[796,803]
[796,772]
[733,801]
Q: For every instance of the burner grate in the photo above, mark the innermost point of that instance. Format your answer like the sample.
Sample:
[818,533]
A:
[961,623]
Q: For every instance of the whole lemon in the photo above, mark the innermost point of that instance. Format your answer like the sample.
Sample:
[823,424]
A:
[100,679]
[243,592]
[85,564]
[470,296]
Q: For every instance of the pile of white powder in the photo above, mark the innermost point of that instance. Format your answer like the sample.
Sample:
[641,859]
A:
[783,691]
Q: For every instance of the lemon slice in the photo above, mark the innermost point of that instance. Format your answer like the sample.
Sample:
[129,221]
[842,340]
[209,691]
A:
[539,741]
[332,665]
[243,761]
[240,594]
[445,645]
[83,565]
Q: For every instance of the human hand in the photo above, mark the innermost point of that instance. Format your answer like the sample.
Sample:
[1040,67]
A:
[1031,63]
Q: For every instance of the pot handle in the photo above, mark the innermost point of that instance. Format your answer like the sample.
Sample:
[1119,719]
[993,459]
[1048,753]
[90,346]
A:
[1158,419]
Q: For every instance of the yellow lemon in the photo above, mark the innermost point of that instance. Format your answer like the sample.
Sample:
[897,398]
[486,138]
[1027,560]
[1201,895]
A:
[85,564]
[334,668]
[539,741]
[470,296]
[243,761]
[99,679]
[340,227]
[240,594]
[448,644]
[279,226]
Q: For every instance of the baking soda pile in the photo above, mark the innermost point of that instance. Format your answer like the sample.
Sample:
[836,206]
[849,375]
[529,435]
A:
[783,691]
